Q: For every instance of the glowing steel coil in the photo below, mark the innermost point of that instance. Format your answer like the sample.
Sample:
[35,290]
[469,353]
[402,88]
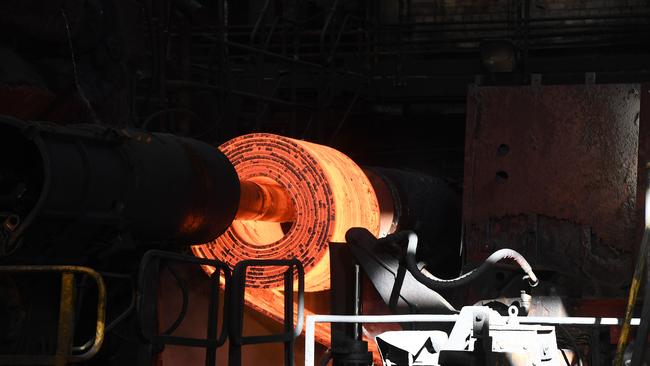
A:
[320,190]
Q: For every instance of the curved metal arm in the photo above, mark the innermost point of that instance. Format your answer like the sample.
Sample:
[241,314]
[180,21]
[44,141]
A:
[436,283]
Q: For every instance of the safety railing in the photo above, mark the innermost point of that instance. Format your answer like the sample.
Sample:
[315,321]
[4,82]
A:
[65,334]
[310,323]
[147,307]
[236,309]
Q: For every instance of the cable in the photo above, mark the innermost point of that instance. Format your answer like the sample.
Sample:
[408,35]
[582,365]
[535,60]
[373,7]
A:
[80,90]
[436,283]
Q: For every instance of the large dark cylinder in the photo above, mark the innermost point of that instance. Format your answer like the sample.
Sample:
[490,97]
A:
[85,180]
[429,206]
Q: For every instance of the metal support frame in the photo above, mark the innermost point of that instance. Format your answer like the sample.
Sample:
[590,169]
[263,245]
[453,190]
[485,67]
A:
[236,309]
[310,323]
[147,307]
[347,344]
[65,333]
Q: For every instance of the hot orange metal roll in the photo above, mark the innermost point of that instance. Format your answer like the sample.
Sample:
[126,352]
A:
[318,190]
[296,197]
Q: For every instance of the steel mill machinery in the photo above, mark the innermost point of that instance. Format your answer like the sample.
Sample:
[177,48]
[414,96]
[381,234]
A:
[324,182]
[165,250]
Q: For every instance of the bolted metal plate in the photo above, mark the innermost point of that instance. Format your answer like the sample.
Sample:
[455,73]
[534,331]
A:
[551,171]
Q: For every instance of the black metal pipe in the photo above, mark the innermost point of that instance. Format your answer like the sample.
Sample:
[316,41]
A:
[425,204]
[259,21]
[93,179]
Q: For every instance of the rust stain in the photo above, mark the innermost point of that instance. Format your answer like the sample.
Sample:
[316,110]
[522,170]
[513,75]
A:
[566,153]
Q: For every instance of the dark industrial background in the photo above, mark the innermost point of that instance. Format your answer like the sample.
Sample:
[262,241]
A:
[384,81]
[537,112]
[389,83]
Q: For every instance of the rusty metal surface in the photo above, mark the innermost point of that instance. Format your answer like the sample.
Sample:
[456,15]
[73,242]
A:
[644,157]
[551,171]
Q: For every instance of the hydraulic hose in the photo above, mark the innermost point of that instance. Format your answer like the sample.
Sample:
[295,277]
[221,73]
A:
[436,283]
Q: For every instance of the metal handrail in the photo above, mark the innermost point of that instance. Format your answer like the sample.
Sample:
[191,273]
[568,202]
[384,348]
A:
[65,333]
[236,309]
[147,306]
[310,323]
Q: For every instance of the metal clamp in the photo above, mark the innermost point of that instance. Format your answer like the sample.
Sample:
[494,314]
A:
[65,333]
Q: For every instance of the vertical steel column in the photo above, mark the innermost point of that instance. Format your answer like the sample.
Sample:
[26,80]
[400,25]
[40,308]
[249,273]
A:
[211,349]
[288,316]
[358,329]
[66,319]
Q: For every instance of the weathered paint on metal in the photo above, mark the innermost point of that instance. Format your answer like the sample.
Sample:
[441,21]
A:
[644,157]
[551,171]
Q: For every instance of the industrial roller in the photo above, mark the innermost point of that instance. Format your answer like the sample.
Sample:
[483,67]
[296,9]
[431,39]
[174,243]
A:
[296,198]
[63,187]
